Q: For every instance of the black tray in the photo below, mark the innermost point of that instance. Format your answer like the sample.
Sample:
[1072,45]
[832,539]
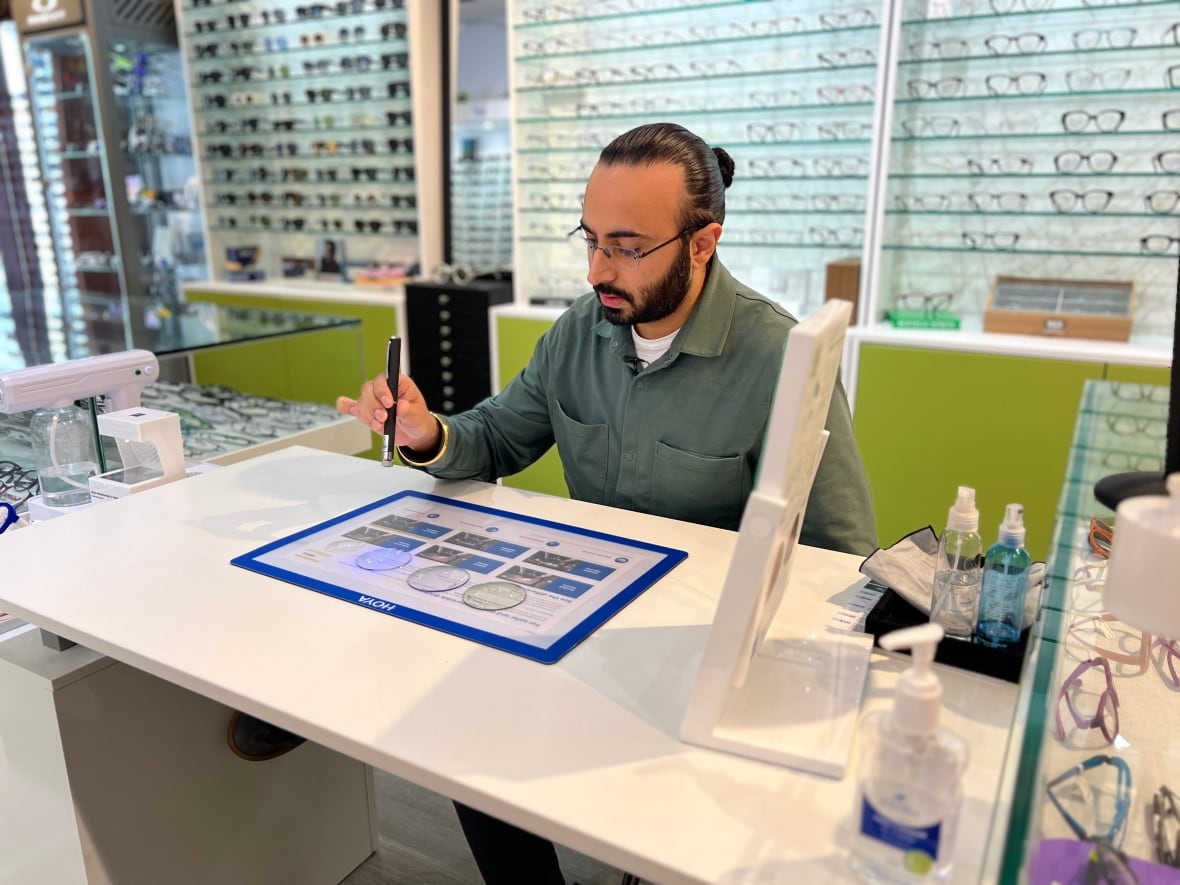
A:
[892,612]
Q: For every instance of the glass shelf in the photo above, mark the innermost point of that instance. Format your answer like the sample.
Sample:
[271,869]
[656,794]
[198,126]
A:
[752,41]
[293,21]
[1040,96]
[1029,136]
[1089,253]
[641,116]
[1053,11]
[527,20]
[1160,216]
[760,74]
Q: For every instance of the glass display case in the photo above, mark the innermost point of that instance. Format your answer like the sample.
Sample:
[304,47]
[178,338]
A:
[116,153]
[218,422]
[1094,761]
[481,187]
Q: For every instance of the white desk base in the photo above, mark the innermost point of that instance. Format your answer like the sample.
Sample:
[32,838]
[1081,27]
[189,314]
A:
[110,775]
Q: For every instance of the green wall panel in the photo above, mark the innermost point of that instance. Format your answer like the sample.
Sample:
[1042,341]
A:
[928,421]
[1139,374]
[516,339]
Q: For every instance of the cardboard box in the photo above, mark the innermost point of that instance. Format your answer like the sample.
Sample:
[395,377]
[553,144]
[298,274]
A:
[842,280]
[1101,309]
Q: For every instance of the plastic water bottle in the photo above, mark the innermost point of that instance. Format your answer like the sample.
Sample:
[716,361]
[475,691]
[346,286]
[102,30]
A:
[1005,581]
[958,568]
[64,452]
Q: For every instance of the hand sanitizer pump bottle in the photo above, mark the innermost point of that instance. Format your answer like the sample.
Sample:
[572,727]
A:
[909,786]
[958,568]
[1005,581]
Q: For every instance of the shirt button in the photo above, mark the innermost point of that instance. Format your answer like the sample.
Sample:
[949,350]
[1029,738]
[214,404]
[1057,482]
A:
[628,456]
[641,384]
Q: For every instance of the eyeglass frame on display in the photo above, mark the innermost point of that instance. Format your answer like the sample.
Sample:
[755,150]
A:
[1122,797]
[1097,721]
[1165,853]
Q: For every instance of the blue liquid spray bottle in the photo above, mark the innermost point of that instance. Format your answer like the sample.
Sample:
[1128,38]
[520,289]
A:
[1005,581]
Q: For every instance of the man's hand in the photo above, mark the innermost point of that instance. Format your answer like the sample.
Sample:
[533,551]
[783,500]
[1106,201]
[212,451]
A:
[417,429]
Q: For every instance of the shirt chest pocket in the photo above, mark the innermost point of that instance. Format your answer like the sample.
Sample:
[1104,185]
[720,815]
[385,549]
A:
[584,451]
[707,489]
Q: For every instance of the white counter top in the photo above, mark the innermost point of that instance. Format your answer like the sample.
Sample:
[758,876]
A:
[585,751]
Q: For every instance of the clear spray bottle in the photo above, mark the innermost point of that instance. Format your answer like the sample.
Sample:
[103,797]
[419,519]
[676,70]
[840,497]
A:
[64,451]
[958,568]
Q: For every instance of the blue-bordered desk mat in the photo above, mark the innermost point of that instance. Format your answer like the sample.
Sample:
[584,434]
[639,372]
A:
[668,558]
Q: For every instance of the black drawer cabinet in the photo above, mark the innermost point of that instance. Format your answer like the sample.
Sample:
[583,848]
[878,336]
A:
[447,332]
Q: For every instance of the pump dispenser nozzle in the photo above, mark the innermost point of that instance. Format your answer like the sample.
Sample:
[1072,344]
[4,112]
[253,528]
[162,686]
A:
[1012,528]
[963,515]
[919,693]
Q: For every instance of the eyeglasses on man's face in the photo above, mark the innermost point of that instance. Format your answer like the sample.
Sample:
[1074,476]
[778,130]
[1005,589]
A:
[620,253]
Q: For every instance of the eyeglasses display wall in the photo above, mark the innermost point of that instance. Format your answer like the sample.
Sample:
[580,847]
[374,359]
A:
[787,89]
[481,185]
[481,215]
[1028,139]
[113,133]
[306,129]
[1034,139]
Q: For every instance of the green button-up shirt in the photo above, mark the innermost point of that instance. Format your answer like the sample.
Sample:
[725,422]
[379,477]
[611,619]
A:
[681,438]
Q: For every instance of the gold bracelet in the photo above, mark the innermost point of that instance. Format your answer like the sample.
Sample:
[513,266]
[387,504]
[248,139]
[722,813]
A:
[442,446]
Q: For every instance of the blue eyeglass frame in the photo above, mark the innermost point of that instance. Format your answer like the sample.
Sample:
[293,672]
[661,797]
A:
[1122,800]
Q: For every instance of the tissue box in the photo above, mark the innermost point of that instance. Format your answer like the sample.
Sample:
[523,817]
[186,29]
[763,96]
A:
[892,612]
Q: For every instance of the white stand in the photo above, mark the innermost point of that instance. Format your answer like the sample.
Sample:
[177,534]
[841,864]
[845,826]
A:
[151,447]
[795,700]
[110,775]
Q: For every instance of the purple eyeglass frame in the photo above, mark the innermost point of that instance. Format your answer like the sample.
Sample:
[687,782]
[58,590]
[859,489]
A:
[1098,720]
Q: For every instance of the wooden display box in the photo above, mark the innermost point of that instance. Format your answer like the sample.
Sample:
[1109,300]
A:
[842,280]
[1101,309]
